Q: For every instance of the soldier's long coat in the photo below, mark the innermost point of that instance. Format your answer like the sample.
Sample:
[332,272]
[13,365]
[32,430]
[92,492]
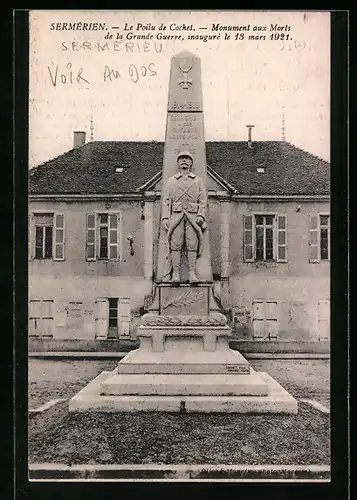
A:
[183,197]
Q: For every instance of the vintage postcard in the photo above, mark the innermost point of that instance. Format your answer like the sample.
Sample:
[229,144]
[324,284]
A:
[179,245]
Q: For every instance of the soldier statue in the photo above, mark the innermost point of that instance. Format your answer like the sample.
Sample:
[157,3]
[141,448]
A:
[184,218]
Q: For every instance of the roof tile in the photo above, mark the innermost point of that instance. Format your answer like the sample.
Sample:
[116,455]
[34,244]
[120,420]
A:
[91,168]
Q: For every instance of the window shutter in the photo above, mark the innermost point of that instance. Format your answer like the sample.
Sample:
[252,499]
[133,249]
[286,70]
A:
[31,237]
[282,243]
[323,312]
[35,308]
[41,318]
[114,224]
[32,327]
[258,309]
[46,327]
[90,237]
[58,237]
[258,320]
[47,308]
[271,318]
[248,238]
[124,317]
[271,310]
[34,314]
[101,318]
[313,239]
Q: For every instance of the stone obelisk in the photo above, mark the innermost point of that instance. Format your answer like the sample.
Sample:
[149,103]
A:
[185,132]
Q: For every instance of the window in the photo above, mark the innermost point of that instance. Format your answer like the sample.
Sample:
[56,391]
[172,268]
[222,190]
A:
[113,312]
[265,238]
[112,317]
[324,237]
[124,317]
[319,238]
[265,321]
[43,238]
[49,236]
[40,318]
[103,236]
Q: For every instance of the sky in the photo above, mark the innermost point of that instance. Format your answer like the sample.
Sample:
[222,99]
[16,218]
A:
[121,81]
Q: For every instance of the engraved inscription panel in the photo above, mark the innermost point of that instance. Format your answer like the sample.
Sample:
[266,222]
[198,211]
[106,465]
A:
[185,105]
[184,127]
[184,133]
[237,368]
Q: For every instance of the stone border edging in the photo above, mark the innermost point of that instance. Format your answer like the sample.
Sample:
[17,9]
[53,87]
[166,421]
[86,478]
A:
[318,406]
[201,472]
[119,355]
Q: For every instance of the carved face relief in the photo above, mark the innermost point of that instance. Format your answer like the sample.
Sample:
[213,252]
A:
[184,164]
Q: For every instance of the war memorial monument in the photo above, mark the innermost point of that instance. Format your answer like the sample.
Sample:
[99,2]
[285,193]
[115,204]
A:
[184,363]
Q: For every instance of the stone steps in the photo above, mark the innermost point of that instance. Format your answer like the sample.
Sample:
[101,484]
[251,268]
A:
[278,400]
[184,362]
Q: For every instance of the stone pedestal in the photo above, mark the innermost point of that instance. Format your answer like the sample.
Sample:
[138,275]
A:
[183,349]
[184,363]
[180,359]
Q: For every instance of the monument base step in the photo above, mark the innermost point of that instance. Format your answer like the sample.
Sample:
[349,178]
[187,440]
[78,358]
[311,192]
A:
[180,362]
[277,400]
[184,384]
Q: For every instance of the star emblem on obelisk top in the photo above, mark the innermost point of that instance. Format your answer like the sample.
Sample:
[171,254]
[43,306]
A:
[185,66]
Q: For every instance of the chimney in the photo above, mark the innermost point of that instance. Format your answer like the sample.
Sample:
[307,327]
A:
[79,139]
[249,127]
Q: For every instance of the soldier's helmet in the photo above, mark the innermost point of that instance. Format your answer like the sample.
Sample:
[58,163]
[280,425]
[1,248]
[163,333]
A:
[185,153]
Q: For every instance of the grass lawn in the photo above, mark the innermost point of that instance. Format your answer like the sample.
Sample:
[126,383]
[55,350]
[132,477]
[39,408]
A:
[303,378]
[51,379]
[104,438]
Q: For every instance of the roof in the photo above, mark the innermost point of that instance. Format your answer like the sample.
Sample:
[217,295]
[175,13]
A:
[90,169]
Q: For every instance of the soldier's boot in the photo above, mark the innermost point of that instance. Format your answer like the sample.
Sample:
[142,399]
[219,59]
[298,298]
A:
[176,263]
[192,257]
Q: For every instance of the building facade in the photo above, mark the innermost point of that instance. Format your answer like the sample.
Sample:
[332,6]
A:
[94,217]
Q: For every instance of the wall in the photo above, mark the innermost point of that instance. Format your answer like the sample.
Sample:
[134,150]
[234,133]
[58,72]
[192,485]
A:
[76,280]
[297,285]
[75,263]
